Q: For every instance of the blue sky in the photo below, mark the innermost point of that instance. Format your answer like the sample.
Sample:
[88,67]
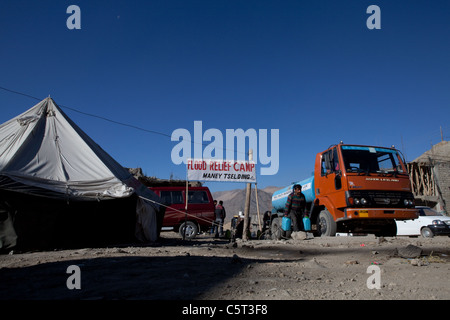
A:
[311,69]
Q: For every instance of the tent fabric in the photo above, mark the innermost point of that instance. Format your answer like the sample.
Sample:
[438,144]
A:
[43,149]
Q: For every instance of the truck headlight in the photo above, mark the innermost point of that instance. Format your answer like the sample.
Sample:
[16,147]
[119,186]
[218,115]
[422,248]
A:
[364,201]
[408,202]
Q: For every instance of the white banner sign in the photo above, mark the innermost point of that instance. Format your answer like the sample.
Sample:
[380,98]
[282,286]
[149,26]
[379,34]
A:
[221,170]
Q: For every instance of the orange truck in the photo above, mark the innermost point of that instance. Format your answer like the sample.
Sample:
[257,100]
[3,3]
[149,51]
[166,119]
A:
[354,189]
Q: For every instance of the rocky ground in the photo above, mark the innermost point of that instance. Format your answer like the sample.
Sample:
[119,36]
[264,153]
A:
[331,268]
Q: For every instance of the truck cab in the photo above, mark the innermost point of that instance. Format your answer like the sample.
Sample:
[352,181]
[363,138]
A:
[361,189]
[354,189]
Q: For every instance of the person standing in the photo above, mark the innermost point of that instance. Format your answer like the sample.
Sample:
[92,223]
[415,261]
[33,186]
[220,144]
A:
[214,222]
[219,215]
[295,207]
[224,214]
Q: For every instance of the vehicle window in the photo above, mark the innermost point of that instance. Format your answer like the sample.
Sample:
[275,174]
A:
[389,162]
[370,159]
[323,170]
[177,197]
[330,162]
[326,163]
[198,197]
[336,167]
[166,197]
[172,197]
[429,212]
[354,165]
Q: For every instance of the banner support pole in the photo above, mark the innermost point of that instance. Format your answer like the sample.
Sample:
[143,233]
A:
[257,206]
[186,206]
[247,203]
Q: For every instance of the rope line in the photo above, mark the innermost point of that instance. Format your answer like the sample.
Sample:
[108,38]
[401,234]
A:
[183,212]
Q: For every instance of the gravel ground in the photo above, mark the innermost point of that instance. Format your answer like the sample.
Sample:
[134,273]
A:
[329,268]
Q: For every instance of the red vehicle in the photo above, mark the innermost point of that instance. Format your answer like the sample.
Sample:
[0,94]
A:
[200,210]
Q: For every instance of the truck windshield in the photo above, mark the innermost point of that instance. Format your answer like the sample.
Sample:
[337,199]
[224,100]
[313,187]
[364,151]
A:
[371,160]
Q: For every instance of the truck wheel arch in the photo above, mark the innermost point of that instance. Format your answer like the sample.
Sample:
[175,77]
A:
[321,204]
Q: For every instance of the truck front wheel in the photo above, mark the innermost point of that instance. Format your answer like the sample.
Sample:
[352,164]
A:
[326,226]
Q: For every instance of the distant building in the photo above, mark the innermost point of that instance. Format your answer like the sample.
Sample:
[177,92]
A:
[430,177]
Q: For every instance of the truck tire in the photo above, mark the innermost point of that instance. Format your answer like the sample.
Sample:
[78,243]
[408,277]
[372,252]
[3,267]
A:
[191,230]
[326,226]
[275,229]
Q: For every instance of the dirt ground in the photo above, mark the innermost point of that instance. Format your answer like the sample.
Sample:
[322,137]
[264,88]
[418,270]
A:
[330,268]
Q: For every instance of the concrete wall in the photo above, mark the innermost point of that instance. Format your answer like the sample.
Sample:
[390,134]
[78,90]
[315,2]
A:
[442,172]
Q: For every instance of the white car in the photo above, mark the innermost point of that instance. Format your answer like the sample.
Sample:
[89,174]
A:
[429,224]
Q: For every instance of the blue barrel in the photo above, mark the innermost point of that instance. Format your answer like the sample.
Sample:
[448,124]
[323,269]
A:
[286,223]
[279,197]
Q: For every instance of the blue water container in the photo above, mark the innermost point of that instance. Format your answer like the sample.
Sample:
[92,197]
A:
[286,224]
[307,223]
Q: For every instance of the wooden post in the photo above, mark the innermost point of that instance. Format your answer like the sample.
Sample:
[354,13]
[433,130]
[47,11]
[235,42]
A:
[247,203]
[185,209]
[257,206]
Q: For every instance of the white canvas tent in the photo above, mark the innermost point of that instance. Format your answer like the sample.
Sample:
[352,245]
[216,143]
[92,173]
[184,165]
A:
[45,154]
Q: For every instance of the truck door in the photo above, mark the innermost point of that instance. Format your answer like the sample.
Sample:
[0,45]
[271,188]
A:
[329,182]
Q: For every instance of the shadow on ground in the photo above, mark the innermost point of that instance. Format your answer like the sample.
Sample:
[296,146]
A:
[165,278]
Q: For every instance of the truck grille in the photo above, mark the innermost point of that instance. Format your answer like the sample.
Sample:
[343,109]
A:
[386,199]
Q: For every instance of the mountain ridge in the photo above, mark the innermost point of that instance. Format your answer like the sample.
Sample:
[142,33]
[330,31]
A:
[234,201]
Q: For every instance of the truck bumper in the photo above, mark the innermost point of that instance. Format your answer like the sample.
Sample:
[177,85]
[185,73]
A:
[381,213]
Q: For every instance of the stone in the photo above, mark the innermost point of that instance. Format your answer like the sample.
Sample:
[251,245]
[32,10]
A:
[409,252]
[298,235]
